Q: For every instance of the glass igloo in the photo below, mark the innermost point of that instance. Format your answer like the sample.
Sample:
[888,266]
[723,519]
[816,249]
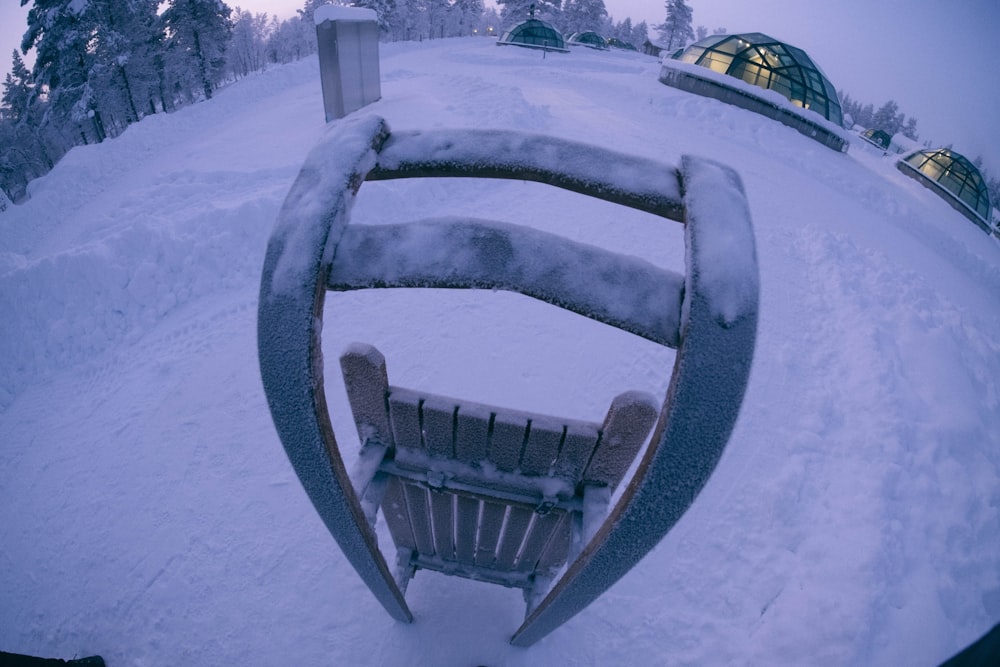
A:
[588,38]
[762,62]
[765,62]
[534,34]
[953,178]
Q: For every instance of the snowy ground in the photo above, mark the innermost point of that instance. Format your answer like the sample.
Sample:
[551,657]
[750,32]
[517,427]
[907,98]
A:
[148,512]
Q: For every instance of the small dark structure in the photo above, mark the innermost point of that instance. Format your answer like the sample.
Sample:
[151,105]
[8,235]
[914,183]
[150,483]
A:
[616,43]
[653,49]
[952,177]
[879,138]
[763,62]
[588,38]
[534,34]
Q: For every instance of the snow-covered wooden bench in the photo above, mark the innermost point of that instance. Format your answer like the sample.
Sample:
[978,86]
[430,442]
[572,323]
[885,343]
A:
[484,492]
[425,453]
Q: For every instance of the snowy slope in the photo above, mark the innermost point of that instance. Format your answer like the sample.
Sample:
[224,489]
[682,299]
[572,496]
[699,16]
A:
[148,512]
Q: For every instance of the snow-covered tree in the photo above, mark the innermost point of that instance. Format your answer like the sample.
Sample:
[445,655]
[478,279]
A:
[910,129]
[197,35]
[59,32]
[580,15]
[640,34]
[888,119]
[291,39]
[676,30]
[467,15]
[247,51]
[515,11]
[18,91]
[125,41]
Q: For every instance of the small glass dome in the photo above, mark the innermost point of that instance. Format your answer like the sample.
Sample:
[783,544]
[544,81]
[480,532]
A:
[764,61]
[880,138]
[535,34]
[588,38]
[956,175]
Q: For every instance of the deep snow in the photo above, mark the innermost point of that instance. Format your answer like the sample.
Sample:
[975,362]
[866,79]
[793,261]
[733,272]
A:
[148,512]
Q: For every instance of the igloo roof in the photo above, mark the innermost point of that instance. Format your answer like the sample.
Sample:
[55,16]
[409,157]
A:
[954,173]
[534,33]
[588,38]
[766,62]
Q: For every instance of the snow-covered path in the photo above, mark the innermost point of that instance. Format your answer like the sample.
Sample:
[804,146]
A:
[148,512]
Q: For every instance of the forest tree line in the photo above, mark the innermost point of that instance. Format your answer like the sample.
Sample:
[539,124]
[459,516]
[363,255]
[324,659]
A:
[101,65]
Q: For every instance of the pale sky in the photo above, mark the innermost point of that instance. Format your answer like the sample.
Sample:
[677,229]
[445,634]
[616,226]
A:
[935,58]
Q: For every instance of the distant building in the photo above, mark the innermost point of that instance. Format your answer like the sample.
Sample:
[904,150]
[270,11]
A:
[588,38]
[616,43]
[534,34]
[760,61]
[953,178]
[653,49]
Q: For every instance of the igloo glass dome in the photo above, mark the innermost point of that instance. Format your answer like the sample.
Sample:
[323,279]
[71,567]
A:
[954,178]
[535,34]
[766,62]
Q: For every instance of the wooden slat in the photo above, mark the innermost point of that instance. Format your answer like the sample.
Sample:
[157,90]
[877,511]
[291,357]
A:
[444,524]
[577,447]
[466,528]
[420,518]
[507,440]
[438,426]
[472,432]
[490,524]
[537,538]
[626,426]
[556,551]
[397,517]
[367,385]
[404,411]
[518,520]
[542,449]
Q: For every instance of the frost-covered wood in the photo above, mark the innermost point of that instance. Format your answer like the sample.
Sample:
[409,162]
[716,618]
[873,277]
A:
[639,183]
[625,292]
[706,389]
[464,483]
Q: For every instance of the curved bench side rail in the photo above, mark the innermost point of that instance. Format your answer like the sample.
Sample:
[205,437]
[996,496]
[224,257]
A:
[709,378]
[290,310]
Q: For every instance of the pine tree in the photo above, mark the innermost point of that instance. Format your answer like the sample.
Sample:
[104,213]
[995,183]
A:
[60,32]
[198,35]
[640,34]
[468,15]
[676,30]
[247,51]
[888,119]
[580,15]
[515,11]
[18,92]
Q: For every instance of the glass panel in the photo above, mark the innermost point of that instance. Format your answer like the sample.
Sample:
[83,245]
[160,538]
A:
[932,169]
[691,55]
[781,85]
[730,45]
[717,62]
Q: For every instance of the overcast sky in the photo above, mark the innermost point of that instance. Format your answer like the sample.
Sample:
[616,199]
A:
[935,58]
